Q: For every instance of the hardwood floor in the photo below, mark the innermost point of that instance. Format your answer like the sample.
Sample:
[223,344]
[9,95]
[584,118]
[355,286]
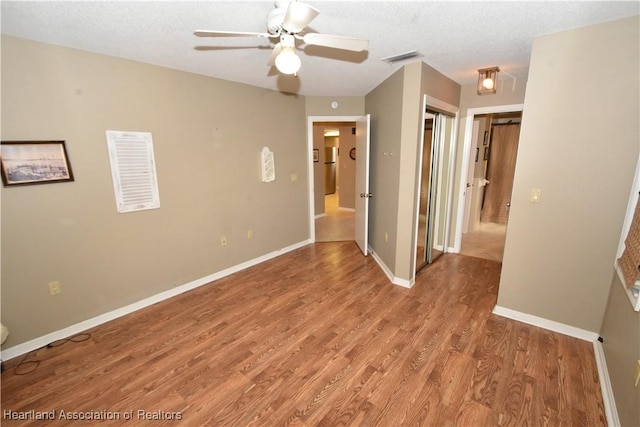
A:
[320,337]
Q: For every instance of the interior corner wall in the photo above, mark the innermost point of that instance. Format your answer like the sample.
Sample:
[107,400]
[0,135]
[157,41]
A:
[579,145]
[621,344]
[208,165]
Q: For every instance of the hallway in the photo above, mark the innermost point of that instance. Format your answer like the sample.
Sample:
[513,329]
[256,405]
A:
[486,242]
[337,224]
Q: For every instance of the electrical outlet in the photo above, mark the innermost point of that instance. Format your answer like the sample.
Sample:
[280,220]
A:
[223,241]
[55,288]
[636,377]
[249,234]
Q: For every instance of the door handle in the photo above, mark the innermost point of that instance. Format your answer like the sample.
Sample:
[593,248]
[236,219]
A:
[366,195]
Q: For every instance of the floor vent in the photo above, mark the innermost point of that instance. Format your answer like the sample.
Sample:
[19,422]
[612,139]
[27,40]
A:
[413,54]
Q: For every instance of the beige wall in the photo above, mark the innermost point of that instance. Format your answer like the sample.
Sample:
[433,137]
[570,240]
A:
[396,110]
[579,144]
[384,103]
[621,334]
[347,105]
[347,166]
[207,162]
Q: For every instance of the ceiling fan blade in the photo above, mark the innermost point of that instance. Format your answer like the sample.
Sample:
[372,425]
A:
[337,42]
[298,16]
[274,54]
[204,33]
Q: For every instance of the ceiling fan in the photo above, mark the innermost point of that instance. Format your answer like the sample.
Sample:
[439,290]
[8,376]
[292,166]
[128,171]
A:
[287,23]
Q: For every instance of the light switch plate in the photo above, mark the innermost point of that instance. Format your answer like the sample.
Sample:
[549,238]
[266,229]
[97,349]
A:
[535,195]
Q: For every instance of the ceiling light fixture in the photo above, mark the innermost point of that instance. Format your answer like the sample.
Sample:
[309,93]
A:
[487,80]
[287,62]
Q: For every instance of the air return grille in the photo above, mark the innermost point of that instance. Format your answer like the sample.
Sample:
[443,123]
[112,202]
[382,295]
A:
[412,54]
[133,171]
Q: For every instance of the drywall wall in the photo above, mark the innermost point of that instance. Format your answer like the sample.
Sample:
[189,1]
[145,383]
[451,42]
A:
[385,104]
[621,343]
[579,145]
[396,110]
[207,160]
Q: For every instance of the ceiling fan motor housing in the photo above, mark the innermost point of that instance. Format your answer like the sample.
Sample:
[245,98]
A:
[275,19]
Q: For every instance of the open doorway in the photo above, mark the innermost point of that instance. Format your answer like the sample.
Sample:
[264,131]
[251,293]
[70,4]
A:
[491,170]
[334,179]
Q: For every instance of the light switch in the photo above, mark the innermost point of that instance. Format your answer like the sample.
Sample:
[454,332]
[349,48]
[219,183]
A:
[535,195]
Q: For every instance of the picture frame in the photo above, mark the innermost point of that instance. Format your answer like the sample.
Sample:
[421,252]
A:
[486,153]
[316,155]
[34,162]
[477,153]
[485,141]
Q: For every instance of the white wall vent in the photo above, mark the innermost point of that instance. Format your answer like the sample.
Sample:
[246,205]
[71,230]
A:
[133,171]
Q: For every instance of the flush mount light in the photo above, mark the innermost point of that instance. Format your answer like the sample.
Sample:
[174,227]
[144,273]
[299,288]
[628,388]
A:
[487,80]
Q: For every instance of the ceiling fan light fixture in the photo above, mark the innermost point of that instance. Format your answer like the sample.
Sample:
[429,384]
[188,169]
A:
[287,62]
[298,16]
[487,80]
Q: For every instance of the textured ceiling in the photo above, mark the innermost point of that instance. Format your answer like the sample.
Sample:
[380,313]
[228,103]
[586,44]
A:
[456,37]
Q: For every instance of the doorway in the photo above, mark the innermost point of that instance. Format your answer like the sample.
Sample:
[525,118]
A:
[331,178]
[491,170]
[337,221]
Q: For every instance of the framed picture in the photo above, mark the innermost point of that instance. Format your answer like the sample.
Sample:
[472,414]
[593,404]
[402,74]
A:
[477,153]
[486,138]
[316,155]
[486,153]
[34,162]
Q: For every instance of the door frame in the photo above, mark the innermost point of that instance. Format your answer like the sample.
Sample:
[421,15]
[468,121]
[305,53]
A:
[464,167]
[310,174]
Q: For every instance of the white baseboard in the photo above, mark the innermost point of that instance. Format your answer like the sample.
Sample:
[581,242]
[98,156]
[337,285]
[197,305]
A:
[77,328]
[610,409]
[546,324]
[387,271]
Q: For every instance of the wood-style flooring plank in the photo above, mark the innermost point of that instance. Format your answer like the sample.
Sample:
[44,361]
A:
[317,337]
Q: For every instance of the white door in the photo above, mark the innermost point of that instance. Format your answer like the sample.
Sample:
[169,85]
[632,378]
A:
[363,125]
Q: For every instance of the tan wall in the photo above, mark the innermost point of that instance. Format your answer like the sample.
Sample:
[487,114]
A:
[395,106]
[579,144]
[207,161]
[621,334]
[347,166]
[384,103]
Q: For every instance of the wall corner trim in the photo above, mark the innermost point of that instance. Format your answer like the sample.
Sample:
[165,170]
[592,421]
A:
[541,322]
[77,328]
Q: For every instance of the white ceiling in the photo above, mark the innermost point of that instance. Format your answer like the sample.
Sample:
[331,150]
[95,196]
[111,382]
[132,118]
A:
[456,37]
